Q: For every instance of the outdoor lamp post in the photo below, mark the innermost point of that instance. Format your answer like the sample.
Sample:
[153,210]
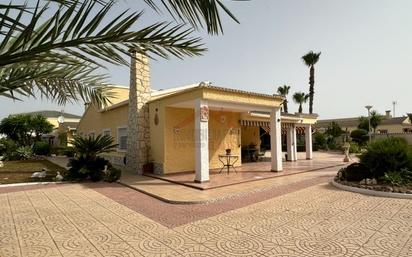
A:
[369,107]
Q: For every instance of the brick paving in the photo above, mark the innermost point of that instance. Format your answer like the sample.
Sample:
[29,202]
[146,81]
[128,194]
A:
[318,220]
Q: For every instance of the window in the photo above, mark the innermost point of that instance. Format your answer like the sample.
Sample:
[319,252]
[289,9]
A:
[92,134]
[122,138]
[107,132]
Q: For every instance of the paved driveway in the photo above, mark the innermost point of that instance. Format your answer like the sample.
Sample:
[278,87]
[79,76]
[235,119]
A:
[316,221]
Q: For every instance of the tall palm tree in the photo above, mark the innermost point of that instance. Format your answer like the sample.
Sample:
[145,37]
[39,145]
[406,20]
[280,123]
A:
[59,53]
[284,91]
[300,98]
[310,59]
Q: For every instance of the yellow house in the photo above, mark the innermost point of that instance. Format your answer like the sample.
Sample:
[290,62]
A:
[189,128]
[64,126]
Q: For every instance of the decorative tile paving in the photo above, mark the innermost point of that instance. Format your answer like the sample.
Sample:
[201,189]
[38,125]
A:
[316,221]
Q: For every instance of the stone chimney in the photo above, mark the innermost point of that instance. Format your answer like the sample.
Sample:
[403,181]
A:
[138,131]
[388,114]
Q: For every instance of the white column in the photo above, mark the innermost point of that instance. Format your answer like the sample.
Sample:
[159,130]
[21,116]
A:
[308,142]
[289,144]
[275,140]
[201,143]
[295,144]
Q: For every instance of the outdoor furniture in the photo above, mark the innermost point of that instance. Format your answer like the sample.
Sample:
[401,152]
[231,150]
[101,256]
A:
[251,154]
[228,161]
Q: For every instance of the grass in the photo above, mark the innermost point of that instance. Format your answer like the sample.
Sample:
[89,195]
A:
[21,171]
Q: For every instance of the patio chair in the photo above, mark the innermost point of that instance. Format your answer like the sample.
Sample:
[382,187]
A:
[261,154]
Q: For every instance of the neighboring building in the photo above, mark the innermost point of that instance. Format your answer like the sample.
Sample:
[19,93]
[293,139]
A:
[186,128]
[65,126]
[388,125]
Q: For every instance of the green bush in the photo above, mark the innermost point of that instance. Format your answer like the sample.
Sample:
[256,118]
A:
[41,148]
[354,147]
[112,175]
[84,168]
[389,154]
[359,136]
[68,151]
[355,172]
[319,140]
[24,152]
[8,149]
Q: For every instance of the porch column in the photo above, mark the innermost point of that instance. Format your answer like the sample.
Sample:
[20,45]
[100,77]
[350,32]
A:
[289,144]
[275,140]
[308,142]
[201,141]
[295,144]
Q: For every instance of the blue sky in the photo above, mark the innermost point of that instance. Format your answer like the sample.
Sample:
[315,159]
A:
[366,55]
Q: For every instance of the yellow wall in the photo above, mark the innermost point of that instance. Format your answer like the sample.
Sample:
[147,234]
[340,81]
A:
[224,132]
[95,121]
[157,135]
[250,135]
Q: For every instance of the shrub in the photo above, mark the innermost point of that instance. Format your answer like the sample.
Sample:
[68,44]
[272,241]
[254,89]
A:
[112,175]
[41,148]
[82,168]
[319,140]
[24,152]
[389,154]
[8,149]
[394,178]
[355,172]
[68,151]
[359,136]
[354,147]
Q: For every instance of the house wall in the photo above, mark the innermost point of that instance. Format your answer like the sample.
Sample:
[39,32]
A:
[95,121]
[250,135]
[224,132]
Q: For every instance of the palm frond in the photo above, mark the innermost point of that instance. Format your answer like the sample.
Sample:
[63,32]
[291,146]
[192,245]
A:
[198,13]
[311,58]
[58,82]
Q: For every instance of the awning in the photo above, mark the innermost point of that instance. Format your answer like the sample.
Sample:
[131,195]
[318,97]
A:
[265,125]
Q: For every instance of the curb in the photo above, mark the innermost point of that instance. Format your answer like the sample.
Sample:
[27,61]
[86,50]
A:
[365,191]
[29,184]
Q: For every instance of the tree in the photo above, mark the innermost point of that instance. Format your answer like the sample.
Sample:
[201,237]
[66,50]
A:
[359,136]
[310,59]
[410,116]
[24,129]
[56,47]
[284,91]
[300,98]
[376,119]
[363,123]
[334,130]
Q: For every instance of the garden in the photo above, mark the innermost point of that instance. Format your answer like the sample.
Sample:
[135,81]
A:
[384,165]
[23,154]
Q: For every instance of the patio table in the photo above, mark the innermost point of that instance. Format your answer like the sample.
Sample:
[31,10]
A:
[228,161]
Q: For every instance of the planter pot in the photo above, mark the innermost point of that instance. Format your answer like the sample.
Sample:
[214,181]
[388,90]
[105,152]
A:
[228,151]
[148,167]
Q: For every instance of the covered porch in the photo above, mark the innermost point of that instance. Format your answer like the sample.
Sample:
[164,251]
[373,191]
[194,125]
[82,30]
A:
[255,171]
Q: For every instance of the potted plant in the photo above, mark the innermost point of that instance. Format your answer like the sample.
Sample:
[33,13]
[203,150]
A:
[228,151]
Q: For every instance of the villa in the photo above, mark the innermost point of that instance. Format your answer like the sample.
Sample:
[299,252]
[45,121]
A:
[189,128]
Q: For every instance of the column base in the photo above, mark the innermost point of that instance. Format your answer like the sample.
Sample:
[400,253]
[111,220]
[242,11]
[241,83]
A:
[201,181]
[276,170]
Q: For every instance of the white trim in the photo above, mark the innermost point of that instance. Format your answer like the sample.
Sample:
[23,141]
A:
[107,130]
[117,138]
[365,191]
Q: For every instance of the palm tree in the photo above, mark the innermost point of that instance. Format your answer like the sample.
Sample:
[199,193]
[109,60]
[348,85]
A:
[284,91]
[90,147]
[59,54]
[376,119]
[300,98]
[310,59]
